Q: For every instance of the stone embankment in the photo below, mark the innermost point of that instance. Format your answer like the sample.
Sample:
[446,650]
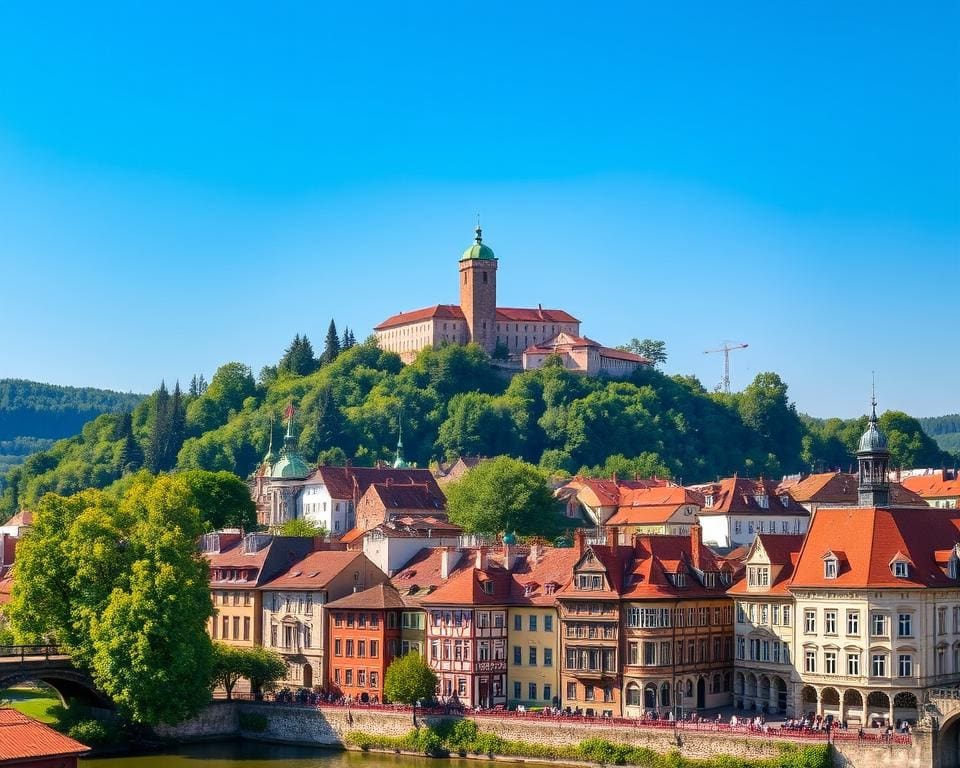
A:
[329,726]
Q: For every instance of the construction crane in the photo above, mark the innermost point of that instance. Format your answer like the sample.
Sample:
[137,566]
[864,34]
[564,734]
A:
[727,348]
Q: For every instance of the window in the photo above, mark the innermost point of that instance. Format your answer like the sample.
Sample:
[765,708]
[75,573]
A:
[830,662]
[498,619]
[879,665]
[830,622]
[853,623]
[853,664]
[786,615]
[775,612]
[374,680]
[941,621]
[905,665]
[878,625]
[548,623]
[337,647]
[517,622]
[830,568]
[810,621]
[349,647]
[246,627]
[900,569]
[348,677]
[905,625]
[572,691]
[516,689]
[741,614]
[361,678]
[361,648]
[533,622]
[374,649]
[547,692]
[517,655]
[532,691]
[533,657]
[588,692]
[810,661]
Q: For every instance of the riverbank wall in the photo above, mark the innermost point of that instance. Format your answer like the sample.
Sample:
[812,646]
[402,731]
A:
[330,727]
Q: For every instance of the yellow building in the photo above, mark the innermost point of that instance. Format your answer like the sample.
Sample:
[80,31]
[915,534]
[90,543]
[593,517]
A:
[533,640]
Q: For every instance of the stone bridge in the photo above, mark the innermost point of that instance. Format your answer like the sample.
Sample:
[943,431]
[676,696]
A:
[942,710]
[48,664]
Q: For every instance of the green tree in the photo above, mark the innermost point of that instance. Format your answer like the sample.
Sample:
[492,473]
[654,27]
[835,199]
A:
[229,665]
[409,679]
[332,345]
[263,668]
[298,358]
[159,430]
[222,498]
[477,425]
[503,494]
[299,526]
[131,455]
[231,385]
[653,349]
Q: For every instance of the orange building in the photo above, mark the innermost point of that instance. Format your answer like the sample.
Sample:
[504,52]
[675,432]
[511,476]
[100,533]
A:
[364,639]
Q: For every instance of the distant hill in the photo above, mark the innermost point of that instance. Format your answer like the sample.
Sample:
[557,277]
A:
[945,430]
[34,415]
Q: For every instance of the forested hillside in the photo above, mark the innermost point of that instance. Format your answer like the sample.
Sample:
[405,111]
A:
[945,430]
[453,402]
[34,415]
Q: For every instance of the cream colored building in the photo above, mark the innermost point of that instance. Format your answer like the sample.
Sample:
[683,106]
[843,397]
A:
[533,666]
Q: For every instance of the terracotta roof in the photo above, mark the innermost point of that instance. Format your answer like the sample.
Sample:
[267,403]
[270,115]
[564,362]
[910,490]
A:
[932,486]
[6,587]
[421,573]
[614,559]
[782,550]
[567,341]
[351,536]
[655,557]
[474,586]
[21,518]
[609,491]
[840,488]
[439,311]
[247,569]
[541,573]
[738,495]
[870,538]
[344,482]
[314,571]
[381,597]
[22,738]
[653,514]
[416,526]
[454,312]
[639,506]
[408,496]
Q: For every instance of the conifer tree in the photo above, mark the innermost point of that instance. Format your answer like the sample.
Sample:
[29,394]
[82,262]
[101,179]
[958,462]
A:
[131,455]
[194,386]
[298,358]
[159,430]
[332,348]
[178,428]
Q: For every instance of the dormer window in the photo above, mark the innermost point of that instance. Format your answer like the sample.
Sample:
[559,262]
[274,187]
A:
[709,579]
[708,500]
[528,589]
[830,568]
[952,566]
[763,501]
[678,579]
[488,587]
[785,500]
[550,588]
[901,569]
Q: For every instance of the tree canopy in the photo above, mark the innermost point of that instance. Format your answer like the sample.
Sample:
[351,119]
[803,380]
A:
[504,495]
[409,679]
[119,582]
[653,349]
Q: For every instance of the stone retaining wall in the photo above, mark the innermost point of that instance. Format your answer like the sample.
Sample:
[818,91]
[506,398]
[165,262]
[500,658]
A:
[328,727]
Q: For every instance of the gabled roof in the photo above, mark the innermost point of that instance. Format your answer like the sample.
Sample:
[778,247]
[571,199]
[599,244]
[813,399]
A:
[737,495]
[454,312]
[840,488]
[470,586]
[543,566]
[314,571]
[654,557]
[22,738]
[782,550]
[608,491]
[870,539]
[613,560]
[382,597]
[22,518]
[409,495]
[934,486]
[414,527]
[647,506]
[344,482]
[420,576]
[564,341]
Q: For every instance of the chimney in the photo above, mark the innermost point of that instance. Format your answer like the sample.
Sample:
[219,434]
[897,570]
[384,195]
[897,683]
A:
[449,557]
[610,532]
[696,542]
[481,563]
[508,556]
[534,552]
[579,539]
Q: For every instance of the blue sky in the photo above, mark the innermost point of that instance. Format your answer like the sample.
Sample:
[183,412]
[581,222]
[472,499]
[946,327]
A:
[181,186]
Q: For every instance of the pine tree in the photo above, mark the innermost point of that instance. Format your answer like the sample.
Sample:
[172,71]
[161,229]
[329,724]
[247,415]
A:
[178,428]
[298,357]
[159,430]
[329,430]
[353,339]
[194,386]
[201,385]
[345,341]
[131,455]
[332,348]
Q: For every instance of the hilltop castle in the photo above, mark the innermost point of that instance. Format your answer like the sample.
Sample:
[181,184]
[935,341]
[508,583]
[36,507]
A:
[525,337]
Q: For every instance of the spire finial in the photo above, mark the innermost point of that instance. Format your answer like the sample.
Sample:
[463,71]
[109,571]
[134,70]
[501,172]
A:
[873,395]
[399,462]
[479,231]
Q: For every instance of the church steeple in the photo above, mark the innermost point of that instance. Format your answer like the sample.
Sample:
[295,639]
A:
[873,460]
[399,462]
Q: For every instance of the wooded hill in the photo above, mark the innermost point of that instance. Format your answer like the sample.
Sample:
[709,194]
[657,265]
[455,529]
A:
[453,402]
[945,430]
[34,415]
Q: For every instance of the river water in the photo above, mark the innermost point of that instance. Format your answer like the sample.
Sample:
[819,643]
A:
[252,754]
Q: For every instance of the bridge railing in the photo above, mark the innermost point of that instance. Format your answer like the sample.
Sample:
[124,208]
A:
[23,653]
[945,693]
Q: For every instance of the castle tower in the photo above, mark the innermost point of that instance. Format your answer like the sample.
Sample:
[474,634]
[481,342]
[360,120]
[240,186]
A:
[873,460]
[478,293]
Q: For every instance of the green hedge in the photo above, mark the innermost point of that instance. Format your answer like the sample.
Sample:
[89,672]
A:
[463,737]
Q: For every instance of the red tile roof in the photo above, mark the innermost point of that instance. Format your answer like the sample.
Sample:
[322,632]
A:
[353,482]
[609,491]
[315,570]
[567,341]
[932,486]
[454,312]
[408,496]
[782,550]
[6,587]
[655,557]
[738,495]
[870,538]
[381,597]
[21,518]
[649,506]
[22,738]
[537,570]
[840,488]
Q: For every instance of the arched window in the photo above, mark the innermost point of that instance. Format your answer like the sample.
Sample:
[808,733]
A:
[633,695]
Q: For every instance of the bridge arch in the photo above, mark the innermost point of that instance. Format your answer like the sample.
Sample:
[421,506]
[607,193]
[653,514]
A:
[69,685]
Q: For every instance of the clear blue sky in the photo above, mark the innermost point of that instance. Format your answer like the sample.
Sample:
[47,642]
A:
[185,184]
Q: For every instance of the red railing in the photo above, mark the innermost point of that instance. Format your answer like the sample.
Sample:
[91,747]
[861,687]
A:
[702,726]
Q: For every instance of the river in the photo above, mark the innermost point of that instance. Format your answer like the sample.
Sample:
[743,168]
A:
[252,754]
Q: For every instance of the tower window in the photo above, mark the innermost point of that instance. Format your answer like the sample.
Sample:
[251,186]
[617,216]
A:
[484,277]
[464,278]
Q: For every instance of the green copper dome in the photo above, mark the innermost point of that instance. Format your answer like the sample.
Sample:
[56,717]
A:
[478,250]
[291,465]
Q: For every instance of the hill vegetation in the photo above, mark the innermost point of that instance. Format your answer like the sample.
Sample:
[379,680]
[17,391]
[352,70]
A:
[454,402]
[34,415]
[945,430]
